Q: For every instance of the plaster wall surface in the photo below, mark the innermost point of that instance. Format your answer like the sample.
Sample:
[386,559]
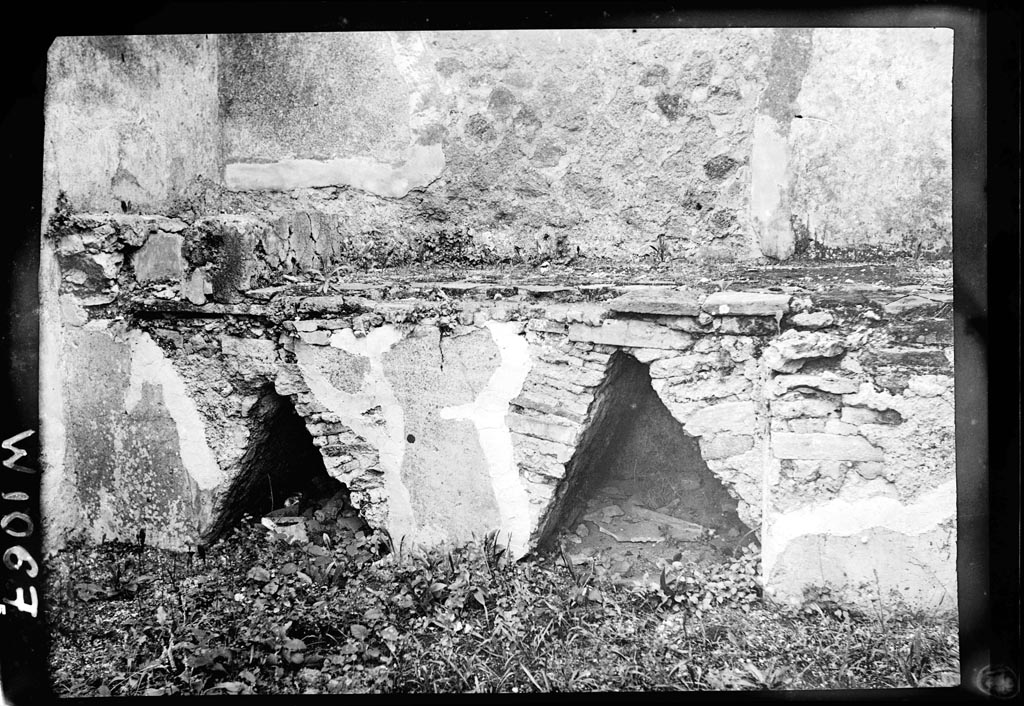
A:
[693,144]
[130,118]
[208,200]
[447,428]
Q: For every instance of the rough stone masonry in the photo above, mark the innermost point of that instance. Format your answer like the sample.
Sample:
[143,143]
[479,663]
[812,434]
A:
[231,217]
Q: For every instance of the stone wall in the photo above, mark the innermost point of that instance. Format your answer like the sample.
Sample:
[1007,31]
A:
[230,217]
[665,144]
[451,409]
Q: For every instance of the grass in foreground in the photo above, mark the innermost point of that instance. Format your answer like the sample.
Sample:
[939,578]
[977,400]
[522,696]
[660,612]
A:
[260,615]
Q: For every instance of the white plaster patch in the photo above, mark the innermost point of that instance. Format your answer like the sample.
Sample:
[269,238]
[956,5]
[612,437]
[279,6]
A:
[769,159]
[488,412]
[388,438]
[56,489]
[423,164]
[150,365]
[844,517]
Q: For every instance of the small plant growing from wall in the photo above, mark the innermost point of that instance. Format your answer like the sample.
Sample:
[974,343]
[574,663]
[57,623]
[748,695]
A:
[60,219]
[452,245]
[372,250]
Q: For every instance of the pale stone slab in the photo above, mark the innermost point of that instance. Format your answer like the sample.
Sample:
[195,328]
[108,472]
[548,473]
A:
[830,447]
[194,288]
[315,338]
[807,407]
[747,303]
[423,165]
[542,429]
[725,445]
[546,326]
[256,349]
[639,532]
[789,351]
[637,334]
[728,416]
[812,320]
[160,258]
[826,383]
[658,300]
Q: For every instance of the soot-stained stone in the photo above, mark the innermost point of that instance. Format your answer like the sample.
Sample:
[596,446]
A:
[720,167]
[670,104]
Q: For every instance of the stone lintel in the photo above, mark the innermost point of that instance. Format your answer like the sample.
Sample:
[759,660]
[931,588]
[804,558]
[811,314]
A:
[747,303]
[658,300]
[824,447]
[635,334]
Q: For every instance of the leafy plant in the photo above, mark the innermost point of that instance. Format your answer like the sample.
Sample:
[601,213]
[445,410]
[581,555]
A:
[692,589]
[358,614]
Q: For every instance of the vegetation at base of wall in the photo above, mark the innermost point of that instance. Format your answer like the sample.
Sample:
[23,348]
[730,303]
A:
[60,219]
[255,614]
[448,245]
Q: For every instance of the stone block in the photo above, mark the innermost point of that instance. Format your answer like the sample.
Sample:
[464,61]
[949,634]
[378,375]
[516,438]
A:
[315,338]
[159,258]
[649,355]
[289,381]
[194,288]
[793,348]
[658,300]
[907,357]
[676,366]
[833,447]
[545,385]
[804,407]
[109,263]
[725,445]
[711,388]
[542,429]
[546,326]
[70,312]
[738,348]
[592,314]
[863,415]
[551,450]
[911,304]
[834,426]
[869,470]
[930,385]
[571,409]
[800,425]
[826,382]
[255,349]
[636,334]
[747,303]
[574,374]
[812,319]
[690,324]
[747,325]
[727,416]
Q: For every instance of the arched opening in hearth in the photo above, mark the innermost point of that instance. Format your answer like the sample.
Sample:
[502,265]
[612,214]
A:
[637,487]
[282,472]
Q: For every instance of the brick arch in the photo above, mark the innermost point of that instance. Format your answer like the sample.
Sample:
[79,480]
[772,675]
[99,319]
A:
[631,432]
[557,420]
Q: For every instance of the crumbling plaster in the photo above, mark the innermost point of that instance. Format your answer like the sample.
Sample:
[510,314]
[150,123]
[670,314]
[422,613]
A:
[451,417]
[454,409]
[698,144]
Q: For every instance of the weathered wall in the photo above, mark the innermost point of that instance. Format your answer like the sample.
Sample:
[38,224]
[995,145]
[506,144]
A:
[870,163]
[130,119]
[451,410]
[696,144]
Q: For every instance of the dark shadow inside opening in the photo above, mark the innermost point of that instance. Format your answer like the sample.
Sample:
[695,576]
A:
[637,475]
[280,464]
